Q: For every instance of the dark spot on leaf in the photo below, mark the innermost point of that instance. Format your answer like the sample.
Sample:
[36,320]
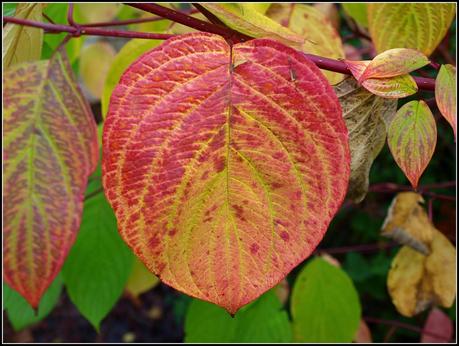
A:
[254,248]
[284,235]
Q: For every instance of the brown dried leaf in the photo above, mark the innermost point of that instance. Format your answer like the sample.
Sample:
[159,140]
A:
[366,116]
[408,223]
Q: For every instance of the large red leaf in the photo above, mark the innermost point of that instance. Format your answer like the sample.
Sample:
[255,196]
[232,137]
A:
[50,148]
[223,170]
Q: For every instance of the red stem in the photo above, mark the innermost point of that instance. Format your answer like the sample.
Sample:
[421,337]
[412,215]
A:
[209,15]
[56,28]
[391,188]
[191,21]
[234,36]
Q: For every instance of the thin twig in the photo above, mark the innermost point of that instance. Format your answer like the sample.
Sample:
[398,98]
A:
[403,325]
[209,15]
[93,194]
[58,28]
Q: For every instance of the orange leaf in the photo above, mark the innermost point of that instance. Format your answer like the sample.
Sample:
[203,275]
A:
[394,62]
[393,87]
[224,178]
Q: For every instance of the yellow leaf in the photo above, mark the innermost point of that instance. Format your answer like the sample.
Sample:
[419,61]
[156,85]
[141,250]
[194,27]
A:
[141,279]
[95,62]
[94,13]
[320,37]
[249,21]
[416,281]
[441,267]
[408,223]
[22,43]
[404,279]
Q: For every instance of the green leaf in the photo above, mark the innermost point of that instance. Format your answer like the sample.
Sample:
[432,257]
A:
[324,305]
[141,279]
[21,314]
[99,263]
[358,12]
[9,9]
[264,320]
[130,52]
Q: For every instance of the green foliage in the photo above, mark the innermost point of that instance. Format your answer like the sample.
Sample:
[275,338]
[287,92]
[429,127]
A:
[325,305]
[21,314]
[264,320]
[99,263]
[9,9]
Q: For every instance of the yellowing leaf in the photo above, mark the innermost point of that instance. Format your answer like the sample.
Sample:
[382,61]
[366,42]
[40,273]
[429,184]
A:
[130,51]
[320,37]
[394,62]
[412,138]
[419,26]
[394,87]
[50,149]
[358,11]
[141,279]
[95,61]
[404,280]
[258,6]
[22,43]
[441,268]
[96,12]
[224,178]
[445,94]
[367,117]
[416,281]
[408,223]
[178,29]
[249,21]
[330,11]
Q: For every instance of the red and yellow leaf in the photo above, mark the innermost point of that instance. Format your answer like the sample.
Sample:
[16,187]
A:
[393,87]
[394,62]
[412,138]
[50,148]
[223,172]
[445,94]
[419,26]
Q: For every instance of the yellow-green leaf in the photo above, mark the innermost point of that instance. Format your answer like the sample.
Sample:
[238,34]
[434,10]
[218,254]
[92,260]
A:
[358,11]
[96,12]
[22,43]
[394,62]
[258,6]
[419,26]
[249,21]
[130,51]
[95,61]
[141,279]
[320,37]
[412,138]
[393,87]
[445,94]
[366,116]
